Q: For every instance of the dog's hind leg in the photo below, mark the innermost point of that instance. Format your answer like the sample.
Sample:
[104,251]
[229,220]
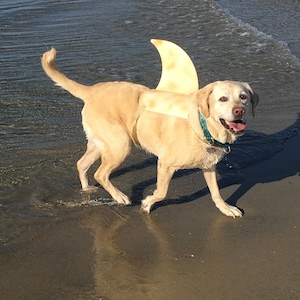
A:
[111,158]
[164,176]
[84,163]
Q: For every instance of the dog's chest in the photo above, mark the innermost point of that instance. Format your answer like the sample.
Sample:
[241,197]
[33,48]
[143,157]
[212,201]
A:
[199,155]
[204,157]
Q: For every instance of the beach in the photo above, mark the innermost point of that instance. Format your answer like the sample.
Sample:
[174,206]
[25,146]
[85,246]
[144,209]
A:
[187,250]
[57,242]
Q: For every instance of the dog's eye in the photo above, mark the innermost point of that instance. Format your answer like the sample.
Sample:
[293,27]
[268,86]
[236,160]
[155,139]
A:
[243,97]
[223,99]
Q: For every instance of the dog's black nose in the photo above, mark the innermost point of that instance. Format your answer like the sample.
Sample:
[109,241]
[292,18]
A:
[238,111]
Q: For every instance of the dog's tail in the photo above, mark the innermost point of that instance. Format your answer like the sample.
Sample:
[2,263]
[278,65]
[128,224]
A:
[76,89]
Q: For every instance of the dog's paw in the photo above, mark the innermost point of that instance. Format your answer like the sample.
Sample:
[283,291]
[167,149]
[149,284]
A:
[230,211]
[122,199]
[90,189]
[145,207]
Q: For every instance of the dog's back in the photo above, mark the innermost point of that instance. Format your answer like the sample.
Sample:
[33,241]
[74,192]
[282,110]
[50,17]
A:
[109,102]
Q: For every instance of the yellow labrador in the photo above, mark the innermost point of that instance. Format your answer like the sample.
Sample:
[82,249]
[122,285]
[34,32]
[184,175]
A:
[190,131]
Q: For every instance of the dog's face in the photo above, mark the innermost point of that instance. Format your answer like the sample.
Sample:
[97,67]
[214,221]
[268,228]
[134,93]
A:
[226,103]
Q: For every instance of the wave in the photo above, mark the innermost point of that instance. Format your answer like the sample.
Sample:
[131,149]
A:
[258,30]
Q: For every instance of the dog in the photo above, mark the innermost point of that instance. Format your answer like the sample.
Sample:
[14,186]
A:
[190,131]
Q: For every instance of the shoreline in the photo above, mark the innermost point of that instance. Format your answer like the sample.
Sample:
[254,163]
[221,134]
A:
[185,250]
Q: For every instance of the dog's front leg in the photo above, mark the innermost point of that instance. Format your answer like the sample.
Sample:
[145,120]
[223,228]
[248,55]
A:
[164,175]
[211,181]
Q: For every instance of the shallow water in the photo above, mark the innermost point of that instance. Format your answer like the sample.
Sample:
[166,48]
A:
[40,125]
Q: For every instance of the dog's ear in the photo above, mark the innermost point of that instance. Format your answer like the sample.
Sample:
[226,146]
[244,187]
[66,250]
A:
[254,97]
[202,97]
[254,102]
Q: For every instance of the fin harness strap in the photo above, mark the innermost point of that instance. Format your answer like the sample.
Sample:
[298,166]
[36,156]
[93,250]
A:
[210,140]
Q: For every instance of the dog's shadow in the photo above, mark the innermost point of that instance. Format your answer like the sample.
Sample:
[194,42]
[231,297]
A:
[269,170]
[231,171]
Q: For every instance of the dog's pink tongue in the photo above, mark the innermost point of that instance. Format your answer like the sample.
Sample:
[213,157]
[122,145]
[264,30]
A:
[237,126]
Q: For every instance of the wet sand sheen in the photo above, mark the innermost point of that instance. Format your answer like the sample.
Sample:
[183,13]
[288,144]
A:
[186,250]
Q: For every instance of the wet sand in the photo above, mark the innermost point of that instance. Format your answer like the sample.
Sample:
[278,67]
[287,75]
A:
[184,250]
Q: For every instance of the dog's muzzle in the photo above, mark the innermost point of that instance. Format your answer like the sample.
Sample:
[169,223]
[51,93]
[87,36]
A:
[236,127]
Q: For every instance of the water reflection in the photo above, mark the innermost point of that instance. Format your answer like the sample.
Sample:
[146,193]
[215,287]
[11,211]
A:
[132,255]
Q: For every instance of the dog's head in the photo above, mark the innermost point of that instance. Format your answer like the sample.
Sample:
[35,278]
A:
[226,103]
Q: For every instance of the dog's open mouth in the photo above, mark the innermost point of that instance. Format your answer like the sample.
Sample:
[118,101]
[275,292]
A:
[236,127]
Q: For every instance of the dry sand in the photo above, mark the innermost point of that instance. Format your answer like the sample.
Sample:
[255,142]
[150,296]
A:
[183,251]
